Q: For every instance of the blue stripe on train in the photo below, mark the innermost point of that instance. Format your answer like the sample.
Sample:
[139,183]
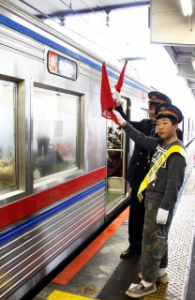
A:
[36,36]
[18,230]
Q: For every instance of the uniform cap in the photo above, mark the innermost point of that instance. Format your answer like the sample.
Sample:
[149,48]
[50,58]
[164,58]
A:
[166,110]
[158,98]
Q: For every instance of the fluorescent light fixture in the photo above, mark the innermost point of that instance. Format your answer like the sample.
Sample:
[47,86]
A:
[186,7]
[193,62]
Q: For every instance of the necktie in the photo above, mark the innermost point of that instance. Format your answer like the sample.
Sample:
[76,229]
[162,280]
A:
[153,130]
[152,134]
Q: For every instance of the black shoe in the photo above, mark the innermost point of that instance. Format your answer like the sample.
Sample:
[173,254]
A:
[129,253]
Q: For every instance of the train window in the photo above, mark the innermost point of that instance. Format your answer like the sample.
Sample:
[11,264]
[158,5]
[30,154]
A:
[144,113]
[55,132]
[7,137]
[181,125]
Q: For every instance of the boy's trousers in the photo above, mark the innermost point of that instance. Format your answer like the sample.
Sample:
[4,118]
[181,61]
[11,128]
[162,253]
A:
[154,243]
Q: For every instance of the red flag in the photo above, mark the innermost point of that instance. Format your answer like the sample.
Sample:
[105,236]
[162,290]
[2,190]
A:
[119,84]
[107,102]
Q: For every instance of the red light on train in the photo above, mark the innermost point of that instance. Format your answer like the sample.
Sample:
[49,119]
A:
[53,62]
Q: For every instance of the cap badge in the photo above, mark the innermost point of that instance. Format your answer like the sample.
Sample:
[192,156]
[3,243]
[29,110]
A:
[163,109]
[154,97]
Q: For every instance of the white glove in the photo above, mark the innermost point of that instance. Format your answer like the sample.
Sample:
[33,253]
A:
[119,117]
[117,97]
[162,216]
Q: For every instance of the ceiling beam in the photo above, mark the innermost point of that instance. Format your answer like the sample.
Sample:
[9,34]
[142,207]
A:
[187,75]
[96,9]
[192,85]
[183,59]
[186,68]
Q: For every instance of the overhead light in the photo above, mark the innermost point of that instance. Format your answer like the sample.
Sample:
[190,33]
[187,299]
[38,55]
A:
[186,7]
[193,62]
[132,58]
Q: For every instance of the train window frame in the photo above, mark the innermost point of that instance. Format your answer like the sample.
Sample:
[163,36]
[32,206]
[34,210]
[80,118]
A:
[59,177]
[9,191]
[66,58]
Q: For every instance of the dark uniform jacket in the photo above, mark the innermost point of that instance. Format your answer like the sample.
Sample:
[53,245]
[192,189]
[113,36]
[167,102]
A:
[163,188]
[140,160]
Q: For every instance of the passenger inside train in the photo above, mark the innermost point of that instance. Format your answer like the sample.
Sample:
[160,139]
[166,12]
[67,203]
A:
[118,132]
[46,159]
[7,179]
[114,163]
[114,159]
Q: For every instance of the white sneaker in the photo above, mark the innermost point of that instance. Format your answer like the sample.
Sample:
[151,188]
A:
[140,290]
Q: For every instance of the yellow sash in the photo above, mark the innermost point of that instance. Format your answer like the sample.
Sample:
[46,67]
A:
[157,165]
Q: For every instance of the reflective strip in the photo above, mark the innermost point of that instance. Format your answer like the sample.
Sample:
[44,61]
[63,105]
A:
[157,165]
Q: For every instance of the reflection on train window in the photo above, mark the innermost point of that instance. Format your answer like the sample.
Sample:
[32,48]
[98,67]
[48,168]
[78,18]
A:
[55,133]
[7,137]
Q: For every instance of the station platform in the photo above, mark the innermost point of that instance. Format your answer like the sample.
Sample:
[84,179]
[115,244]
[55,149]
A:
[99,273]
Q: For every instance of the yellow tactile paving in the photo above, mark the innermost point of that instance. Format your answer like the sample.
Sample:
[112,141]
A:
[160,293]
[58,295]
[153,298]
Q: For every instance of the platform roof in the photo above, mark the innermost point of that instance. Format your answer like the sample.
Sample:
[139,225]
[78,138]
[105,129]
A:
[62,8]
[182,55]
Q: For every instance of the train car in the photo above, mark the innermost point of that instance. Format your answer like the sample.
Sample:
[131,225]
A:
[55,190]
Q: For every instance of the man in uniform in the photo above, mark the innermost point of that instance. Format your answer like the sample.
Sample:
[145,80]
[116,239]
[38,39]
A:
[138,168]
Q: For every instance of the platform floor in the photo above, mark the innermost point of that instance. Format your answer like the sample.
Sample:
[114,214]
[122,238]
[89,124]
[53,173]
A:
[99,273]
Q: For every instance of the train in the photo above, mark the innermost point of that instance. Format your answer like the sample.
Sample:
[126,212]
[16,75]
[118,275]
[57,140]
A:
[55,192]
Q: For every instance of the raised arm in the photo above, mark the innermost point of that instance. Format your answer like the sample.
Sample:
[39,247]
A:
[138,137]
[117,97]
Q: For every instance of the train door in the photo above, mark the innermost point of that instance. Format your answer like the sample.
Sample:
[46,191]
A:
[116,161]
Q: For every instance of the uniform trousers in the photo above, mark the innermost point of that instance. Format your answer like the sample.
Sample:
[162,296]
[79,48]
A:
[154,244]
[136,221]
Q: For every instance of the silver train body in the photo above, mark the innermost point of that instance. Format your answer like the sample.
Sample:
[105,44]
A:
[55,192]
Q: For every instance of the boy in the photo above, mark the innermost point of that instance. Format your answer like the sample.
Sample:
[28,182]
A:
[138,168]
[163,183]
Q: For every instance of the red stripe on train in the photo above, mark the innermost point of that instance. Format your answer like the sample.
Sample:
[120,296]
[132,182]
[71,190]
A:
[22,208]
